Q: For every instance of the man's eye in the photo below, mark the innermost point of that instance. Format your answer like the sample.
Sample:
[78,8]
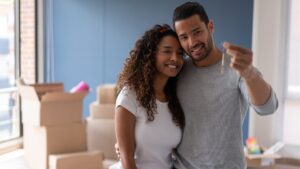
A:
[198,32]
[183,38]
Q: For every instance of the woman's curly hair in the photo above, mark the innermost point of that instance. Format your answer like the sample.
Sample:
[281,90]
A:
[139,71]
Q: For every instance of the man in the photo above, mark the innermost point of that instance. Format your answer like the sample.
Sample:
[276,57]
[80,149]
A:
[214,100]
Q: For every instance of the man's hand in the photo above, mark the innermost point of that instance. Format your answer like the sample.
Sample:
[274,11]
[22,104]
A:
[117,150]
[241,60]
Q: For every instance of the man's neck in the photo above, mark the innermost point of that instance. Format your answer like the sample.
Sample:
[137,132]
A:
[214,57]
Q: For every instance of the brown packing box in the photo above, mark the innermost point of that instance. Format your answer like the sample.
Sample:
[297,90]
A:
[280,163]
[106,94]
[39,142]
[288,163]
[42,89]
[102,111]
[101,136]
[78,160]
[47,104]
[262,160]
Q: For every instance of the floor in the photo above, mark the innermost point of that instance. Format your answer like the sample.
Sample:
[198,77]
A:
[13,160]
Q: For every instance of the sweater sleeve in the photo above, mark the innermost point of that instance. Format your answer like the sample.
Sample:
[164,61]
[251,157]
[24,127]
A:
[268,108]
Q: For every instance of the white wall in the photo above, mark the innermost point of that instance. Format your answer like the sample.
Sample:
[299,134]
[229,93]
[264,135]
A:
[269,47]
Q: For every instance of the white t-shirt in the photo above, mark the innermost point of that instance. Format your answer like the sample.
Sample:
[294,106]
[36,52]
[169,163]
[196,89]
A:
[155,139]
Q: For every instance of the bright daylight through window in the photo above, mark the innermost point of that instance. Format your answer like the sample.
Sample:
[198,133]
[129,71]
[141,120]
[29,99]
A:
[9,111]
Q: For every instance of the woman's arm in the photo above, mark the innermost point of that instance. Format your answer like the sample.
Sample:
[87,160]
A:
[125,126]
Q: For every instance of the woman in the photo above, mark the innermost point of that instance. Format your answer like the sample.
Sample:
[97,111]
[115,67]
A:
[149,119]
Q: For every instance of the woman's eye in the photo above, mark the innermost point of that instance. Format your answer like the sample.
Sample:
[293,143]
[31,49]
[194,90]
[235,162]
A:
[180,53]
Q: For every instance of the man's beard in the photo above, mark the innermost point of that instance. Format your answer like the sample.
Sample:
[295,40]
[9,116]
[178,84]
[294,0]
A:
[207,51]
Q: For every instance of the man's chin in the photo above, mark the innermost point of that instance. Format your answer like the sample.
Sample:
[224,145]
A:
[198,58]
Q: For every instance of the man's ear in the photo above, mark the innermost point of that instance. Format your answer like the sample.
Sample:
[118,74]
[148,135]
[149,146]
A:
[210,26]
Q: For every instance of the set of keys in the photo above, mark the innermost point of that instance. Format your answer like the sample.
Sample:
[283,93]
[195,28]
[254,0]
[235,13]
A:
[223,59]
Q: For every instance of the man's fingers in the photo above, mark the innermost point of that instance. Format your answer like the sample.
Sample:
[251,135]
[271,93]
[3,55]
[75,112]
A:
[239,57]
[241,63]
[237,54]
[117,150]
[228,46]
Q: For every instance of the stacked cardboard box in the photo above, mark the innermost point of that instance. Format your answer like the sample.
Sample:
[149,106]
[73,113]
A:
[100,124]
[80,160]
[53,124]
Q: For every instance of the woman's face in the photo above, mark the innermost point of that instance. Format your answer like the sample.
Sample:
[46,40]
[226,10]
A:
[169,56]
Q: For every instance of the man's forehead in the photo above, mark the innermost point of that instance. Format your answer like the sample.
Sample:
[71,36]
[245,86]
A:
[189,24]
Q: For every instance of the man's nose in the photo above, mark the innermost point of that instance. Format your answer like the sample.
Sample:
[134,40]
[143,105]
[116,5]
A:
[192,42]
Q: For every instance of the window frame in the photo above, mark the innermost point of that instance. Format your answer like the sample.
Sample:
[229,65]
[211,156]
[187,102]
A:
[16,143]
[17,72]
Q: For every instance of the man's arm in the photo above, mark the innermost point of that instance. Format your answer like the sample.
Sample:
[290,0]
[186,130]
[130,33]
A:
[259,90]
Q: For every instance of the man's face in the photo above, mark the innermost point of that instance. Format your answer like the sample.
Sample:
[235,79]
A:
[195,37]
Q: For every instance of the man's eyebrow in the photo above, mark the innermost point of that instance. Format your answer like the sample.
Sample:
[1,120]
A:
[183,34]
[195,29]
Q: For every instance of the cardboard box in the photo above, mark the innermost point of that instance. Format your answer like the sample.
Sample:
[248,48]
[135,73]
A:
[42,89]
[101,136]
[39,142]
[287,162]
[262,160]
[280,163]
[106,94]
[102,111]
[79,160]
[47,104]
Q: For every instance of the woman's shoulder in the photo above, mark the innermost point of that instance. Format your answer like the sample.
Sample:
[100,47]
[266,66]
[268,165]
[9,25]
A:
[127,99]
[127,92]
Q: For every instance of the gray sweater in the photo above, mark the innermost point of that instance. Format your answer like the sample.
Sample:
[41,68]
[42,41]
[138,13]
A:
[214,105]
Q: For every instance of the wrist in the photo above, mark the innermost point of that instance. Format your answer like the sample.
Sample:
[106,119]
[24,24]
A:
[250,74]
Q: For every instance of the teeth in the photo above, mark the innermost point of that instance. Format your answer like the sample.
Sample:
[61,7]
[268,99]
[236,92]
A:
[172,66]
[198,48]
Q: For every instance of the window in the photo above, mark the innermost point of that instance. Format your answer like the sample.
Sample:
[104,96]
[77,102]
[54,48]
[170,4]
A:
[9,109]
[292,101]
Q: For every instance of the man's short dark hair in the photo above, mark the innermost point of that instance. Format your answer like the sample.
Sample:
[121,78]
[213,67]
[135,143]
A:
[189,9]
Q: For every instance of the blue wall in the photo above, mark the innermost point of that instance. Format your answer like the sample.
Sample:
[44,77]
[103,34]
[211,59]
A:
[93,37]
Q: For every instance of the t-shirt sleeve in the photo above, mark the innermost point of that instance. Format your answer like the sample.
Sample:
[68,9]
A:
[127,99]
